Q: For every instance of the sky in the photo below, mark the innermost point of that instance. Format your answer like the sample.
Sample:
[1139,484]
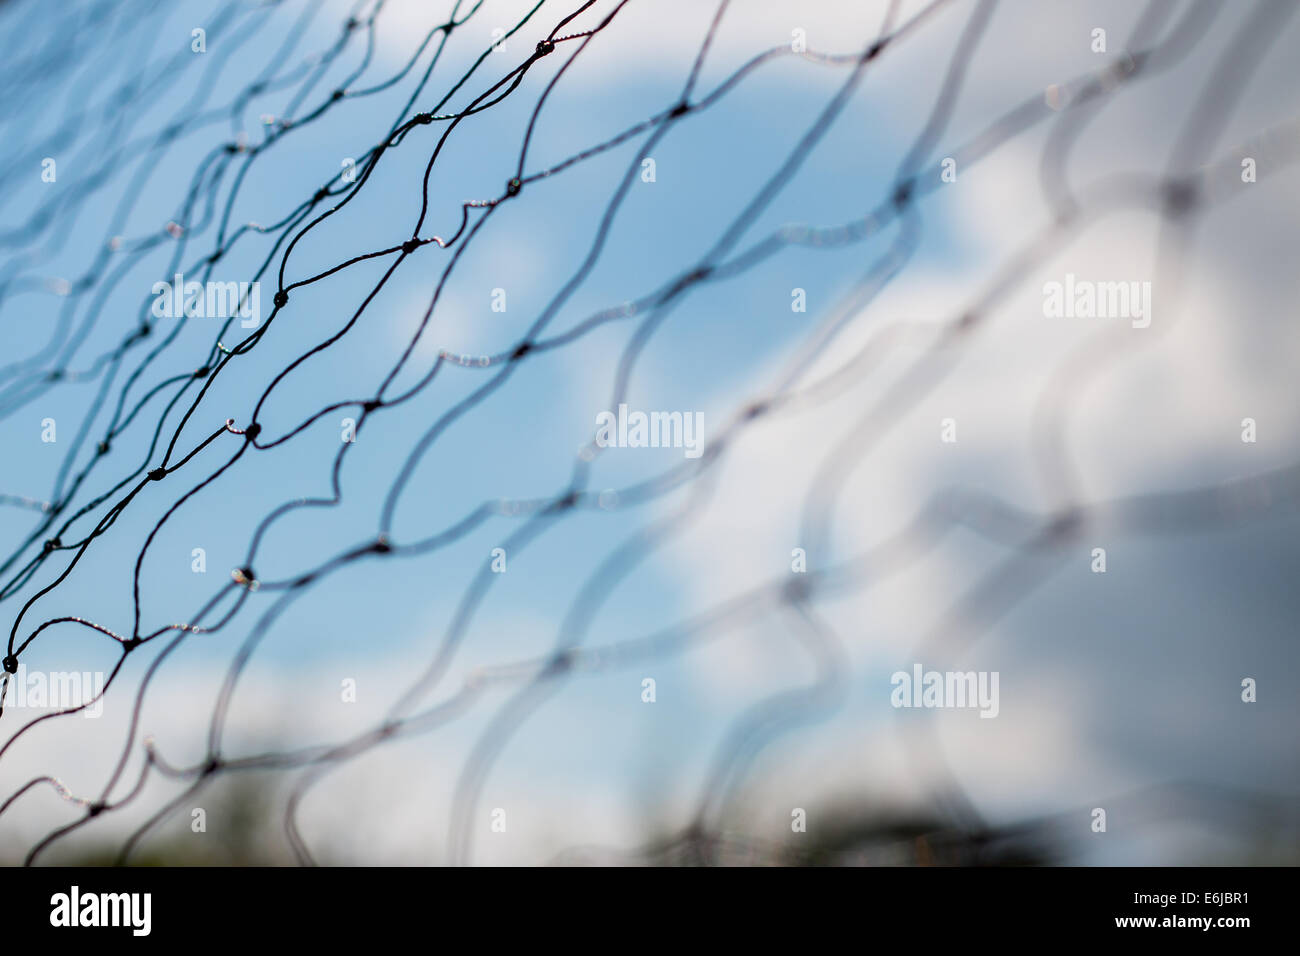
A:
[1118,690]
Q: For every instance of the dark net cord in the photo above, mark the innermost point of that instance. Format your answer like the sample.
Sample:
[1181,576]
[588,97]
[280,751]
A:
[73,520]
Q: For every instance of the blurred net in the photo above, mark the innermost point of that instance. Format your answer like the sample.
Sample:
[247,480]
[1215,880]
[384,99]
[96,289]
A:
[151,388]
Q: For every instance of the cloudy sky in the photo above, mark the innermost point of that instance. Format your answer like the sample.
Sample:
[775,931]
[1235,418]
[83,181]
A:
[1119,691]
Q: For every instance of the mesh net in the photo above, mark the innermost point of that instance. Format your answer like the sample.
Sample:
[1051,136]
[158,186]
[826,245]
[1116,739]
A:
[440,243]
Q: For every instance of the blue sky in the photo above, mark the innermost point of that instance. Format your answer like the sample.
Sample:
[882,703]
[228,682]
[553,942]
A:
[590,763]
